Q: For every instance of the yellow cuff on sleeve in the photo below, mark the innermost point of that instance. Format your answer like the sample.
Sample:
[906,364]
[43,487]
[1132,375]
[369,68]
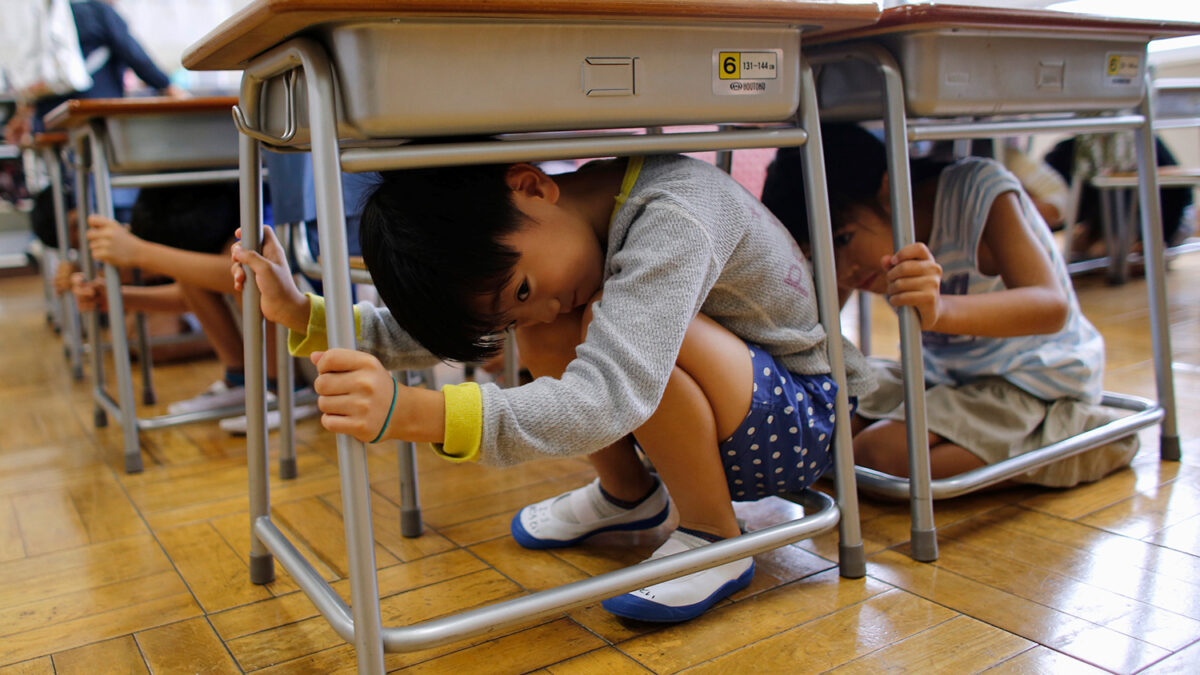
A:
[464,422]
[316,339]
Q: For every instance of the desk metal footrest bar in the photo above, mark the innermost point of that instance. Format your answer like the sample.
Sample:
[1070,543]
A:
[1147,413]
[1082,266]
[163,421]
[497,617]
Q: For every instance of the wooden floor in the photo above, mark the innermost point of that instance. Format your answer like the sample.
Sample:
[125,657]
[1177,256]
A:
[106,572]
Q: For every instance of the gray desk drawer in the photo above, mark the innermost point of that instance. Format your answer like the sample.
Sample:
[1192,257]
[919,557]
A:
[426,78]
[142,143]
[972,72]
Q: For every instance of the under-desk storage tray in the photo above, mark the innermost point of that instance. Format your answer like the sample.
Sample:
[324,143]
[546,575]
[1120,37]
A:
[426,78]
[176,141]
[980,72]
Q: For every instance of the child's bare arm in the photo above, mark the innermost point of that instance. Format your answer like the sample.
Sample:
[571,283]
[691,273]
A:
[112,243]
[1033,302]
[281,302]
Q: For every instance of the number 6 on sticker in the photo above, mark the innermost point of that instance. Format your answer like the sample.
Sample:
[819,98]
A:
[730,65]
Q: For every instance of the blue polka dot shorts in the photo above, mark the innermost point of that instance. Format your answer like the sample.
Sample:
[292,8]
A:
[784,443]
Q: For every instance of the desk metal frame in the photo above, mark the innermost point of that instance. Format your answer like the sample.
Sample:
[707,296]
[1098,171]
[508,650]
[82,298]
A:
[70,324]
[90,143]
[921,490]
[359,622]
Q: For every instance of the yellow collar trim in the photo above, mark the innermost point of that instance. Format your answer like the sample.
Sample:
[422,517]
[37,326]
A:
[632,169]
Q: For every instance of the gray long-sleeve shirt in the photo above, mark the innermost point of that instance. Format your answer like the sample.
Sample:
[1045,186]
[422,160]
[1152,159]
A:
[688,239]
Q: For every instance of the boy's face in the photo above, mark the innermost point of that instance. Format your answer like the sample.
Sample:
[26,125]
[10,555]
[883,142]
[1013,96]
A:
[560,269]
[859,247]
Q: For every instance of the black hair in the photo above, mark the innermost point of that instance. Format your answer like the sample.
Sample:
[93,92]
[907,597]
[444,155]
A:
[855,162]
[431,239]
[42,216]
[199,218]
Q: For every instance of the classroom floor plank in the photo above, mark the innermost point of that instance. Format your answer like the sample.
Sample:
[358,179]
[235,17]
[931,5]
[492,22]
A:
[148,572]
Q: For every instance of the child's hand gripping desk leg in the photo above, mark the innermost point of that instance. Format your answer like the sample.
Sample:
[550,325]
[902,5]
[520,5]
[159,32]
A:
[695,274]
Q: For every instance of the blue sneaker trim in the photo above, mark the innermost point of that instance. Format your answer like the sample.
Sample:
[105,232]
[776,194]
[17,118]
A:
[636,607]
[527,540]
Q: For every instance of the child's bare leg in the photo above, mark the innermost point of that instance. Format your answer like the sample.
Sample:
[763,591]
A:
[883,446]
[546,349]
[705,401]
[222,331]
[214,316]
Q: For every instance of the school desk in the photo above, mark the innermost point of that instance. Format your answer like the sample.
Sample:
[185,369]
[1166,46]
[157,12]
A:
[139,142]
[350,79]
[938,71]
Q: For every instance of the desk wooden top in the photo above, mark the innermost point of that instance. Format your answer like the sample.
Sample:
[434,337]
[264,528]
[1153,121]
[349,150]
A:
[909,18]
[49,139]
[265,23]
[77,111]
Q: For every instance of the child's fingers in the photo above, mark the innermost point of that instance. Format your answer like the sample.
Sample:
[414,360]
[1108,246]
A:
[259,264]
[239,276]
[315,357]
[340,360]
[915,251]
[924,284]
[915,268]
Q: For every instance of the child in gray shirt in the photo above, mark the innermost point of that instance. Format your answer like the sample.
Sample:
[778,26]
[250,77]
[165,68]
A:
[654,299]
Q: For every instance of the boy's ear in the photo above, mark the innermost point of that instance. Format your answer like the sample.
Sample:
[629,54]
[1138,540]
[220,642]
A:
[530,181]
[884,196]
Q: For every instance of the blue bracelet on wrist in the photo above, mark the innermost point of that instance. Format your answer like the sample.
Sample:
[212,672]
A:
[387,419]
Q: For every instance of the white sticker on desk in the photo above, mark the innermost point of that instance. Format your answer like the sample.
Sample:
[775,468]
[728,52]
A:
[1122,70]
[742,72]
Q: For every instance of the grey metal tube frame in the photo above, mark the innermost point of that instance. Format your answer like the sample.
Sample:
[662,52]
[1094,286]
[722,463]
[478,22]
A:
[406,451]
[361,623]
[71,331]
[91,154]
[921,489]
[923,532]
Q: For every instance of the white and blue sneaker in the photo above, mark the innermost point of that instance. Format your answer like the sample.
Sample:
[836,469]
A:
[687,597]
[573,516]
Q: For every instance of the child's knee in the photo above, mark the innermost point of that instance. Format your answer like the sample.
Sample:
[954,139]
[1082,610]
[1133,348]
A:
[883,446]
[547,348]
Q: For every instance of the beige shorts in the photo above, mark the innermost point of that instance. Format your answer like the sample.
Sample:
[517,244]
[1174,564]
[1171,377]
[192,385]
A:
[994,419]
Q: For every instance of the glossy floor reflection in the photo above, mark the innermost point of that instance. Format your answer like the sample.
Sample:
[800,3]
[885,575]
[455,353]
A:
[104,571]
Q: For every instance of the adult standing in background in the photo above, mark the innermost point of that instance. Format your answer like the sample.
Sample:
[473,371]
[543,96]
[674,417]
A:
[108,49]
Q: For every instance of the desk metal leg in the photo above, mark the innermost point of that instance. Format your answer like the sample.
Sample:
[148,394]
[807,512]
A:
[406,453]
[116,310]
[286,400]
[69,312]
[82,199]
[335,268]
[262,566]
[924,534]
[1152,247]
[864,323]
[512,360]
[145,358]
[852,559]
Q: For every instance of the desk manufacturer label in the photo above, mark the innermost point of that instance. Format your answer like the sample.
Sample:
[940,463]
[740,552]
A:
[1122,70]
[742,72]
